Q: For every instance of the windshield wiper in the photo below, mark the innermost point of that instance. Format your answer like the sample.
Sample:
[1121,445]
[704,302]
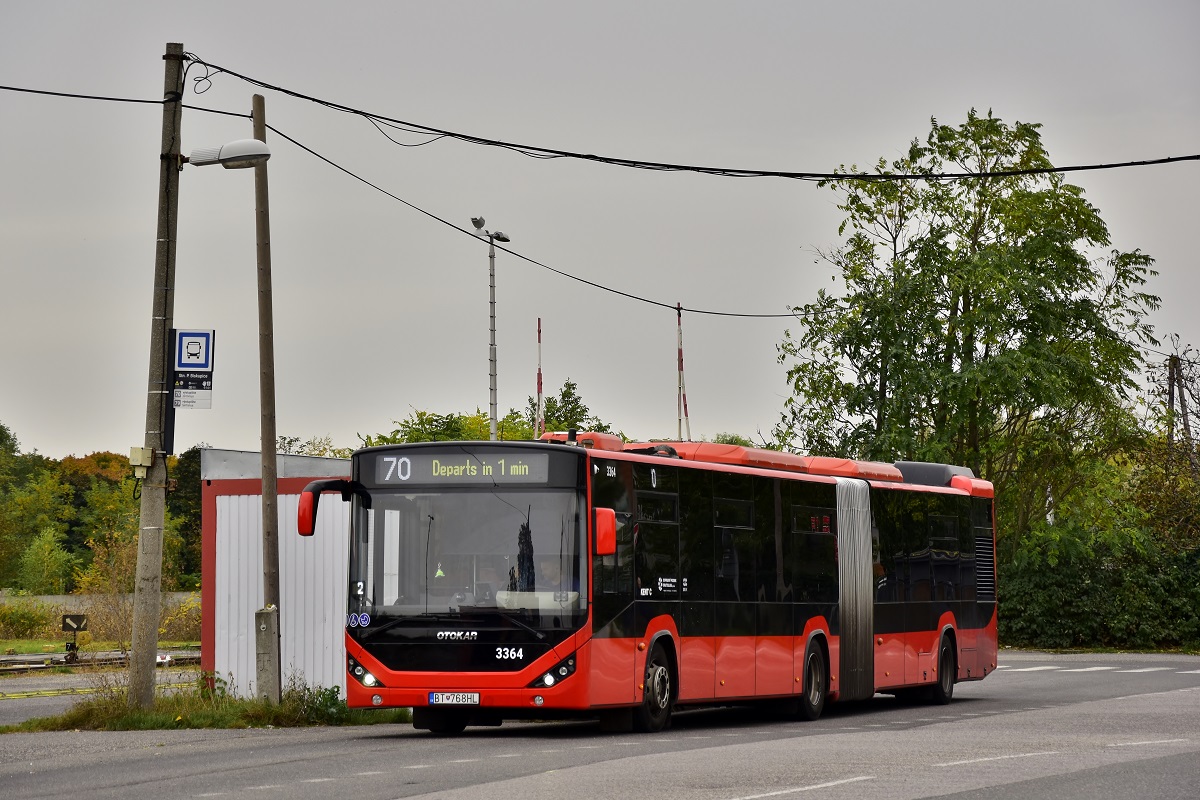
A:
[511,618]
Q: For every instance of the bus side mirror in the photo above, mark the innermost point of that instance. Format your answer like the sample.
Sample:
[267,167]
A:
[306,517]
[606,531]
[306,514]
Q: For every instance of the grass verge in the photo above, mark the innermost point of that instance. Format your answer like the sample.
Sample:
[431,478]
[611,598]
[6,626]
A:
[207,704]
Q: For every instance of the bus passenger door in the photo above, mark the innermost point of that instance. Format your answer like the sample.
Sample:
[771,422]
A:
[890,618]
[613,653]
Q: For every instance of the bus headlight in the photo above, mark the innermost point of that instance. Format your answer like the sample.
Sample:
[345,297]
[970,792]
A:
[560,671]
[361,674]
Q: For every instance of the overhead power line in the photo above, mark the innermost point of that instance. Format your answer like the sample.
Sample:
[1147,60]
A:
[732,172]
[535,262]
[538,152]
[535,151]
[376,187]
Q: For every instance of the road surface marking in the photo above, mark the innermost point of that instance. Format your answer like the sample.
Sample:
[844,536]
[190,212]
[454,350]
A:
[806,788]
[1088,669]
[995,758]
[1138,744]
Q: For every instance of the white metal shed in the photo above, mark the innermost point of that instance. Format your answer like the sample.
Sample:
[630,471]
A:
[312,571]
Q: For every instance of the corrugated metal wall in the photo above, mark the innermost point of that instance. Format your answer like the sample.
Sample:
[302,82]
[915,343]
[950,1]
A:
[312,587]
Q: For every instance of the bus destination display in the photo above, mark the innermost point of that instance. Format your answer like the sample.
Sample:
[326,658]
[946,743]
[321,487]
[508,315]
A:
[459,468]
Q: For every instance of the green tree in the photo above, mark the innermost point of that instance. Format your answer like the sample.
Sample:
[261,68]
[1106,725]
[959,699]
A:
[9,448]
[46,566]
[427,426]
[80,474]
[566,410]
[979,324]
[41,503]
[320,446]
[185,504]
[111,519]
[732,438]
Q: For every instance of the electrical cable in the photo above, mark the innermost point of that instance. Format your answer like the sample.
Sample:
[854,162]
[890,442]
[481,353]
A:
[377,120]
[546,152]
[82,96]
[512,252]
[534,151]
[669,306]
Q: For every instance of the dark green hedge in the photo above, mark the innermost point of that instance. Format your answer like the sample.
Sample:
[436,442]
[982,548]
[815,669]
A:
[1123,600]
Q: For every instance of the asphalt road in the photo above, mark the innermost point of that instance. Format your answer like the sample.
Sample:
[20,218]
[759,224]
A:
[1042,726]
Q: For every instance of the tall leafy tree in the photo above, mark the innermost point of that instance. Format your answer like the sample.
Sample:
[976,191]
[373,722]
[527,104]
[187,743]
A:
[566,410]
[111,519]
[184,503]
[46,566]
[9,447]
[43,502]
[320,446]
[81,474]
[984,321]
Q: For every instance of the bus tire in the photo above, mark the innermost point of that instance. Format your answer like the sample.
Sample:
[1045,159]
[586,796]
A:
[815,685]
[654,714]
[943,688]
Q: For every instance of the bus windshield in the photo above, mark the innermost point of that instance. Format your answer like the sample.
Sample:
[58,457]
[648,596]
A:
[469,551]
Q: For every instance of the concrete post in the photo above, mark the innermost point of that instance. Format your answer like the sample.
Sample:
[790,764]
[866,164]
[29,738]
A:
[147,599]
[266,641]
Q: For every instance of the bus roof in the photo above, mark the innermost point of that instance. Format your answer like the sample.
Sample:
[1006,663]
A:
[909,472]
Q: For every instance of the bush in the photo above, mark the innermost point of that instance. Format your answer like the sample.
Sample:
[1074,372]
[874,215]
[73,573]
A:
[29,619]
[1119,598]
[181,623]
[110,617]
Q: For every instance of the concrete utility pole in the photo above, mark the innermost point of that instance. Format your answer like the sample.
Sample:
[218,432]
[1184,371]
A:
[147,593]
[268,672]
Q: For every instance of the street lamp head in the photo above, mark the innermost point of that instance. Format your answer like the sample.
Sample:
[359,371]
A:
[499,237]
[235,155]
[478,223]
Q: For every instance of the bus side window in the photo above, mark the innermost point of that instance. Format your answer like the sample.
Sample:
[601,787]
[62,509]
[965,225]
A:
[612,484]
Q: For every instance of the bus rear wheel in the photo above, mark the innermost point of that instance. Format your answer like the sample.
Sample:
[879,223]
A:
[943,689]
[816,682]
[654,714]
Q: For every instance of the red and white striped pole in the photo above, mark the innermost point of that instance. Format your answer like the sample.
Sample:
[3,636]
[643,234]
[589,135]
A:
[539,424]
[681,403]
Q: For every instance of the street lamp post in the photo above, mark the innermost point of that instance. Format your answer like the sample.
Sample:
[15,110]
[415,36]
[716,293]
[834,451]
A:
[268,675]
[147,594]
[492,237]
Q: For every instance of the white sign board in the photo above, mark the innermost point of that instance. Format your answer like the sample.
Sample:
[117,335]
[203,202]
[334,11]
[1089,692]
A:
[193,368]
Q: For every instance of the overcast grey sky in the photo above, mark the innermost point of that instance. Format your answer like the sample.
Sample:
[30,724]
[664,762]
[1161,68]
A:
[380,310]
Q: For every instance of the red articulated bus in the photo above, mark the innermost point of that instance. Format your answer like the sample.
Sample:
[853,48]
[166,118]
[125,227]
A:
[579,576]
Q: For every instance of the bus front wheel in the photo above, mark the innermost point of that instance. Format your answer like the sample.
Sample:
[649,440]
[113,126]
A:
[654,714]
